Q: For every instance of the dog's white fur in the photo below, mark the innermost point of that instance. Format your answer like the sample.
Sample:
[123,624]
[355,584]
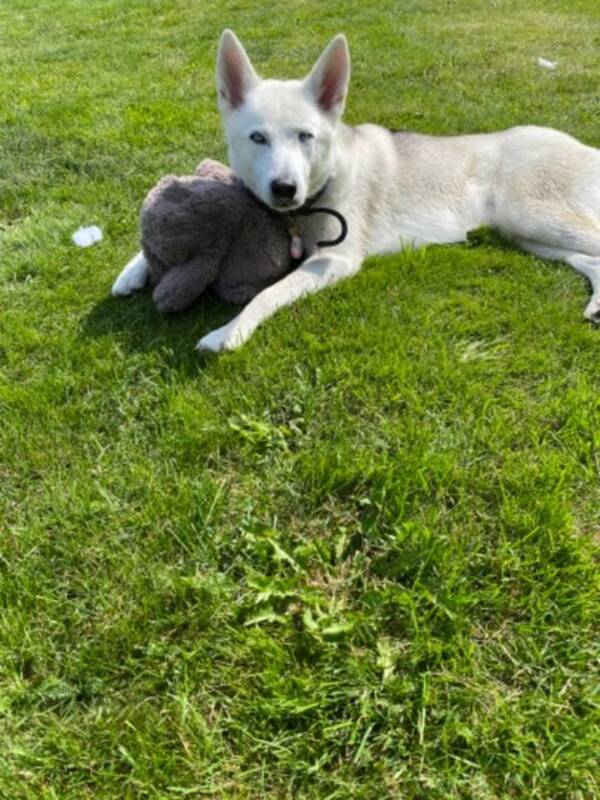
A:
[538,186]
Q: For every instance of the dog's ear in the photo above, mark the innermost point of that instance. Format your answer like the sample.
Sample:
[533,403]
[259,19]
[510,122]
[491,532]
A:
[328,81]
[235,73]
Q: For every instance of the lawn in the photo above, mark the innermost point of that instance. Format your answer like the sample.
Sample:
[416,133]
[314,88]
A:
[356,558]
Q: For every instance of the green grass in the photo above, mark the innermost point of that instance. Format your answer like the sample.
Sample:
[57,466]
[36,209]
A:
[355,559]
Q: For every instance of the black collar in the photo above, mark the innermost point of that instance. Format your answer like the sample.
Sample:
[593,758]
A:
[310,201]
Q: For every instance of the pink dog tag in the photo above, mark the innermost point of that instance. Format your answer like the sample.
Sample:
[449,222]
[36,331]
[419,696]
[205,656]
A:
[296,248]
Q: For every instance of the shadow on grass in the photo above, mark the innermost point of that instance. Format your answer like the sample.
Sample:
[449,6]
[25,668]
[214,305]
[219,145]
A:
[140,328]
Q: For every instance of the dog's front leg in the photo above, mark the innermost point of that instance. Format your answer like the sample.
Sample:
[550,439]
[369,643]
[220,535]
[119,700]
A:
[313,275]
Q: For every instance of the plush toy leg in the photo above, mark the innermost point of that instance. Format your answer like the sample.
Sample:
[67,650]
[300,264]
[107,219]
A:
[238,295]
[182,285]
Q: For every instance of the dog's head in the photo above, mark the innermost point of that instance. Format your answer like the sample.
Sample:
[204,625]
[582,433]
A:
[280,133]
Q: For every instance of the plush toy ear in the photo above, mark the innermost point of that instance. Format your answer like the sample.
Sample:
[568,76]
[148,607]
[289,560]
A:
[235,73]
[328,80]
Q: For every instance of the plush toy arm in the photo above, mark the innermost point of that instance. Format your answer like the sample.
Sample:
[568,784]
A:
[183,284]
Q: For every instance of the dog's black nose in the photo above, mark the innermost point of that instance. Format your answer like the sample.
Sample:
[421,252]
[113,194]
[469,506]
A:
[282,190]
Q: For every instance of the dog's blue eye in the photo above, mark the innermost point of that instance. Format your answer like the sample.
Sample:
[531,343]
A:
[305,136]
[258,138]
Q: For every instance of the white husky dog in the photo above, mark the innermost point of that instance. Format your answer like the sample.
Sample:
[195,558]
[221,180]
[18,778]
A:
[288,144]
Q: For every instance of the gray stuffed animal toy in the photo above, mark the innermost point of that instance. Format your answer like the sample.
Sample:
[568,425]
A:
[207,231]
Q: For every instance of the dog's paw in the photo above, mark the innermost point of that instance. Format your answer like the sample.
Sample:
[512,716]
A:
[227,338]
[592,310]
[132,278]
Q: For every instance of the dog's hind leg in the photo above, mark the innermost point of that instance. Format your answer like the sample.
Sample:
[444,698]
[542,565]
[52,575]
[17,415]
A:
[134,276]
[586,264]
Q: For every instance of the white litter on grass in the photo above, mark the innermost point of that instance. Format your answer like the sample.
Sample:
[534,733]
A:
[85,237]
[543,62]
